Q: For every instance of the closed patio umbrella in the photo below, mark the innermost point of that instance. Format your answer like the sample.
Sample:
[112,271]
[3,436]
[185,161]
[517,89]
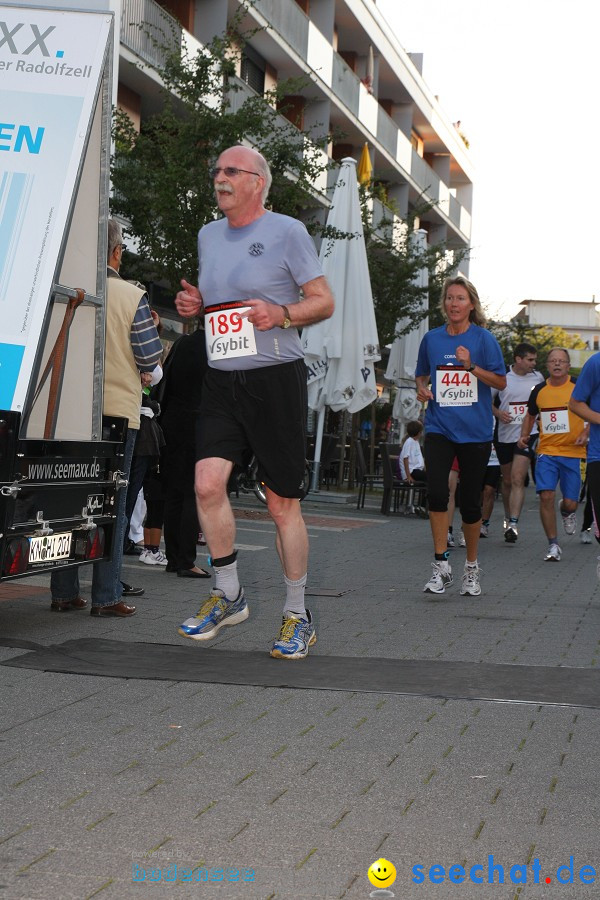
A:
[340,352]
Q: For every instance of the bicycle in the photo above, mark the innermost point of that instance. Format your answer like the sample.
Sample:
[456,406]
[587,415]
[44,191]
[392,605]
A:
[247,481]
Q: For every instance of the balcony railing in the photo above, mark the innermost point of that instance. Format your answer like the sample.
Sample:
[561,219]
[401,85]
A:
[345,84]
[286,17]
[149,31]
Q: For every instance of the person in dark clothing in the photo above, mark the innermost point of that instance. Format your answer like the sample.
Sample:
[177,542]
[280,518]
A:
[184,372]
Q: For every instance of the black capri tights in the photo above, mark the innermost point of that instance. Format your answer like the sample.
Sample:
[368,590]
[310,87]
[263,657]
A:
[439,453]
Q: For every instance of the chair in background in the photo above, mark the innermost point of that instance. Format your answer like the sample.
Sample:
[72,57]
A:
[364,478]
[392,485]
[398,493]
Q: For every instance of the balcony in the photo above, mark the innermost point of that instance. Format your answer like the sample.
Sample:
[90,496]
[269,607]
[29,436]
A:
[345,84]
[149,31]
[288,20]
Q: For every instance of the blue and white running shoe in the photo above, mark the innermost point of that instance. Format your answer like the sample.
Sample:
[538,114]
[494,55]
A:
[295,637]
[213,614]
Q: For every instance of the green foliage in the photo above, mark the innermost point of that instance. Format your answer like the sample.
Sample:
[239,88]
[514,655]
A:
[395,266]
[161,176]
[543,337]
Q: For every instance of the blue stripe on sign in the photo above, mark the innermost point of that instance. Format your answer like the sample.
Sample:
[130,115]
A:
[15,191]
[11,356]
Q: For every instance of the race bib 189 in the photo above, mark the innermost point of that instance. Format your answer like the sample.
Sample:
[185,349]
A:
[228,334]
[455,387]
[555,421]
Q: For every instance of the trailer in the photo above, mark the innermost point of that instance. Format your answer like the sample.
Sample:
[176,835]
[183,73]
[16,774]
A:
[61,461]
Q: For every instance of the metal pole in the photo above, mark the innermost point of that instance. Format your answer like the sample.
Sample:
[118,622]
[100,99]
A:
[315,484]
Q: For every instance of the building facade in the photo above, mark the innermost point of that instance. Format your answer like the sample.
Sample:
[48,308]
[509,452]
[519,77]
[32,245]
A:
[362,84]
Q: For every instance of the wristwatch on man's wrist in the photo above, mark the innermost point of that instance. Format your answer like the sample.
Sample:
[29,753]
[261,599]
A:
[471,367]
[286,317]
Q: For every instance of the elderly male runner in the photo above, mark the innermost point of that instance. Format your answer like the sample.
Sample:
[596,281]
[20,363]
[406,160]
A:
[562,447]
[252,265]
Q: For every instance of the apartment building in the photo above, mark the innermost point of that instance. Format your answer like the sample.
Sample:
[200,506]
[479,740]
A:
[363,84]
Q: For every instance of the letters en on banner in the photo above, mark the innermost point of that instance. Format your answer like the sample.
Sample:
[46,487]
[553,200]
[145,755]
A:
[51,62]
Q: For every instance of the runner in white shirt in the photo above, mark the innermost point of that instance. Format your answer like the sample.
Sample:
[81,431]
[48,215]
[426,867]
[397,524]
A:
[510,408]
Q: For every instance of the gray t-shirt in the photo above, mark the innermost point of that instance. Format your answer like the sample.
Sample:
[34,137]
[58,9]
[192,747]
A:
[268,260]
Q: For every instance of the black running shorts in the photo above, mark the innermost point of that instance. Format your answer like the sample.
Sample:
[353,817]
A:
[260,411]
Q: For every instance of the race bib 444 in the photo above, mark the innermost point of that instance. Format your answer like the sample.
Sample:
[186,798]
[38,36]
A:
[455,387]
[228,332]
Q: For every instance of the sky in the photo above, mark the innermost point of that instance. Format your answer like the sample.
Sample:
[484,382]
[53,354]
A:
[522,76]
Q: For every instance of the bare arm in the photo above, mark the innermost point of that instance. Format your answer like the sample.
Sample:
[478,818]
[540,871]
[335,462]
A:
[494,380]
[584,411]
[526,427]
[189,300]
[423,391]
[316,305]
[406,469]
[502,415]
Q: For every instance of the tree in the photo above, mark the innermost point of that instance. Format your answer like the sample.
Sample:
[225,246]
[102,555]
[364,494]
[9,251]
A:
[161,176]
[543,337]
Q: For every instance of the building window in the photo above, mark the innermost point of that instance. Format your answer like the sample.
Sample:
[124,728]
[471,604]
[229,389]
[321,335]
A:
[596,342]
[253,70]
[417,142]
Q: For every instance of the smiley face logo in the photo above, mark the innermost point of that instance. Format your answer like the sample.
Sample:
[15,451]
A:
[381,873]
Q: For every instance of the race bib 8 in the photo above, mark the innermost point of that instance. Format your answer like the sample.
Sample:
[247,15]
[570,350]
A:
[455,387]
[228,333]
[555,421]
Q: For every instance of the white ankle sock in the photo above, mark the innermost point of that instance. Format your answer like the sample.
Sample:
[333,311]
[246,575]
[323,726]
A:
[294,598]
[226,580]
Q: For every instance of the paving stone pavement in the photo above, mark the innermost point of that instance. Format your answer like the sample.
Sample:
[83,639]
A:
[295,793]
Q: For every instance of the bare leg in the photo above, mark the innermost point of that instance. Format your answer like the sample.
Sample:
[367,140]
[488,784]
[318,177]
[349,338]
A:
[548,513]
[439,530]
[292,538]
[471,533]
[214,509]
[520,467]
[487,503]
[152,536]
[507,487]
[452,482]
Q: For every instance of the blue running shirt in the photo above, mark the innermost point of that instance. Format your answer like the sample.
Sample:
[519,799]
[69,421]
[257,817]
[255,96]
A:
[587,390]
[464,424]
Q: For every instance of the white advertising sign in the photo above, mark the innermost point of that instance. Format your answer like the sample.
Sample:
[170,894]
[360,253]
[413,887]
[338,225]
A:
[51,62]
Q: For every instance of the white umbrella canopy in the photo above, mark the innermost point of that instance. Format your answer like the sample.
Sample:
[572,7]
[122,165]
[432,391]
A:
[402,362]
[340,351]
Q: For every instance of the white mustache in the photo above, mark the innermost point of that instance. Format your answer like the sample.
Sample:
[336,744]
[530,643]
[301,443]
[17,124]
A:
[224,189]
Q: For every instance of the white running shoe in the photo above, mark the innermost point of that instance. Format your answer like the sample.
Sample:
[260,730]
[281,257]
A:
[470,581]
[570,523]
[450,540]
[586,537]
[461,539]
[440,577]
[153,558]
[511,534]
[554,553]
[483,530]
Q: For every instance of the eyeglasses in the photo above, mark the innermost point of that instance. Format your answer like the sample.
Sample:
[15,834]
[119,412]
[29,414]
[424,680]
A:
[230,171]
